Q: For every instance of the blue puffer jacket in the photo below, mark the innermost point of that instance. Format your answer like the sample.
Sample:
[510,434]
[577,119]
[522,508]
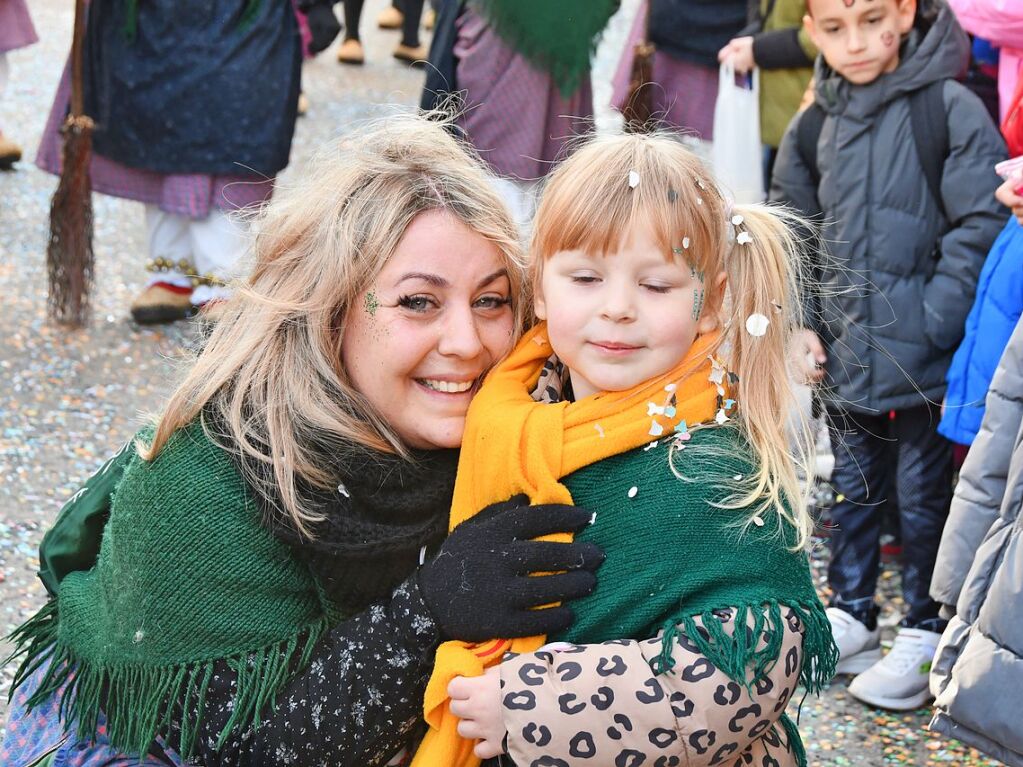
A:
[992,319]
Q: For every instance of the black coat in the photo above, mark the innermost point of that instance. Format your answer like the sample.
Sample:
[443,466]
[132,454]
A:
[695,30]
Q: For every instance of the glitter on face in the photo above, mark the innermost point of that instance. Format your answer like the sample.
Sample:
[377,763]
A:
[372,303]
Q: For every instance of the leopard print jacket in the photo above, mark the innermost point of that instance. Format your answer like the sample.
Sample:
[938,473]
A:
[603,705]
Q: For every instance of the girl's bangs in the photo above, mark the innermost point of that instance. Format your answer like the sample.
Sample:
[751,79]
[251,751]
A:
[604,190]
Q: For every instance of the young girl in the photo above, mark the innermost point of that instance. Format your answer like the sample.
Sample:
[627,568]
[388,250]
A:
[655,392]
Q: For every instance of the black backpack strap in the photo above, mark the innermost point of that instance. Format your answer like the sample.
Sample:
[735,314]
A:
[929,123]
[808,132]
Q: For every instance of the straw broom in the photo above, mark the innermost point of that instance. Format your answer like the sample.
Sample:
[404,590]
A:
[638,108]
[69,256]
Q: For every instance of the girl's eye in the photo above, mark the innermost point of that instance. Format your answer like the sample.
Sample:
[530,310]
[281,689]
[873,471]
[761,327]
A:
[419,304]
[493,302]
[584,279]
[658,288]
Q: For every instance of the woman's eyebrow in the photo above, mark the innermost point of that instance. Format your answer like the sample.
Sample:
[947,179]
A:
[502,272]
[433,279]
[438,281]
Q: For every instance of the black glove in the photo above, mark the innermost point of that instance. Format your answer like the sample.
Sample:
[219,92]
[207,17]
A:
[323,25]
[479,585]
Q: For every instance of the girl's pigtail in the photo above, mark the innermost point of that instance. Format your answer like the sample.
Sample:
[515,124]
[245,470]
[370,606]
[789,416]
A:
[762,311]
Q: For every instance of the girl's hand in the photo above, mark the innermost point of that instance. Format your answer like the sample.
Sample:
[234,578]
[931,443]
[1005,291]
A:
[740,51]
[1009,195]
[477,702]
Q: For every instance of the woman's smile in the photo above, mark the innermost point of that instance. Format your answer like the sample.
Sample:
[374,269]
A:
[450,386]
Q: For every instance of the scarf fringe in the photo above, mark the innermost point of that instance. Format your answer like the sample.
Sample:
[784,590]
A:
[738,656]
[138,701]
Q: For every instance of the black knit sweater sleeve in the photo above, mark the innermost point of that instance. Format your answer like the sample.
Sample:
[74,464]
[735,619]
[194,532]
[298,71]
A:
[780,49]
[358,702]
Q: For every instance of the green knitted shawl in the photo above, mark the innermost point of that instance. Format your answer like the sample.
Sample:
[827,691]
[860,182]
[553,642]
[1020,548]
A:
[555,36]
[123,636]
[674,554]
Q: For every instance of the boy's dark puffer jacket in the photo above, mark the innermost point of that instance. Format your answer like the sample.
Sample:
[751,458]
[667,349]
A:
[903,269]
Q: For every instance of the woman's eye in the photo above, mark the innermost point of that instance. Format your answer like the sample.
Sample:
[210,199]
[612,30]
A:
[417,303]
[493,302]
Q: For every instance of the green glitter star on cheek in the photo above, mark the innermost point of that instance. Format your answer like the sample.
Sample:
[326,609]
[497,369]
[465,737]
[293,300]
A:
[372,303]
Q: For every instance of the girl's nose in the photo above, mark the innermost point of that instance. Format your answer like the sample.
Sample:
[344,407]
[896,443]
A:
[619,303]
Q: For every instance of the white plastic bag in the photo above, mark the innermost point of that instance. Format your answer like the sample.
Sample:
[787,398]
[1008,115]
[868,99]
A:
[736,153]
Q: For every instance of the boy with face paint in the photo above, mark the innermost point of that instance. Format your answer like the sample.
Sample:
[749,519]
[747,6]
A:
[896,287]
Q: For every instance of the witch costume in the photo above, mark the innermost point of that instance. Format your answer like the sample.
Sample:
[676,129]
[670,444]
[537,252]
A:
[195,106]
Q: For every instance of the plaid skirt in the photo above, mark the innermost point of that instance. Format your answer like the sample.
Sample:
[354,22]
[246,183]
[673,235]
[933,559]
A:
[514,114]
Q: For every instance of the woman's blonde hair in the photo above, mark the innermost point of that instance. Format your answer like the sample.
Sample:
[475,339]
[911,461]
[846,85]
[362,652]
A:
[592,201]
[271,374]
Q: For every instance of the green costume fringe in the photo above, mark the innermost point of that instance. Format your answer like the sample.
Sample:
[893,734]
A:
[795,742]
[183,539]
[557,37]
[738,656]
[138,701]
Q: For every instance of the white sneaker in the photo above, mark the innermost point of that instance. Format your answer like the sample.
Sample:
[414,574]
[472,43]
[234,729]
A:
[899,680]
[859,648]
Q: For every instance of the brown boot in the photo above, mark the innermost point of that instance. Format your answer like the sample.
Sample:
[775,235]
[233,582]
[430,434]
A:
[162,302]
[416,56]
[10,153]
[390,18]
[350,52]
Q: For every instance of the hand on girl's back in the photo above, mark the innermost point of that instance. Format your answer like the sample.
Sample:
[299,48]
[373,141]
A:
[481,584]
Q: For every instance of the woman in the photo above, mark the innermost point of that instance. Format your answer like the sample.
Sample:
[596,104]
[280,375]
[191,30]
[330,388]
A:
[254,598]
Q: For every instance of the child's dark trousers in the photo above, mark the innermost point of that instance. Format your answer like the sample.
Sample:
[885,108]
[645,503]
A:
[862,445]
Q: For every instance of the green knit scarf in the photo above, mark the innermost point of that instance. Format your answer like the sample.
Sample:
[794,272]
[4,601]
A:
[137,636]
[673,554]
[556,36]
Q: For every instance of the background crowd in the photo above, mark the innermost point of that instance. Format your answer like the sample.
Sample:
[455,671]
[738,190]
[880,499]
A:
[909,332]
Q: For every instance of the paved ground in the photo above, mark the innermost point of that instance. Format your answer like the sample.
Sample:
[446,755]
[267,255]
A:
[67,400]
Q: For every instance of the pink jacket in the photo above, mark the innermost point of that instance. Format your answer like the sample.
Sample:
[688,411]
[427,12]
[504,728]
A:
[1001,23]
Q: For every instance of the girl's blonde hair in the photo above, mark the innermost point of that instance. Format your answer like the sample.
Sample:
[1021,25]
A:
[271,373]
[591,203]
